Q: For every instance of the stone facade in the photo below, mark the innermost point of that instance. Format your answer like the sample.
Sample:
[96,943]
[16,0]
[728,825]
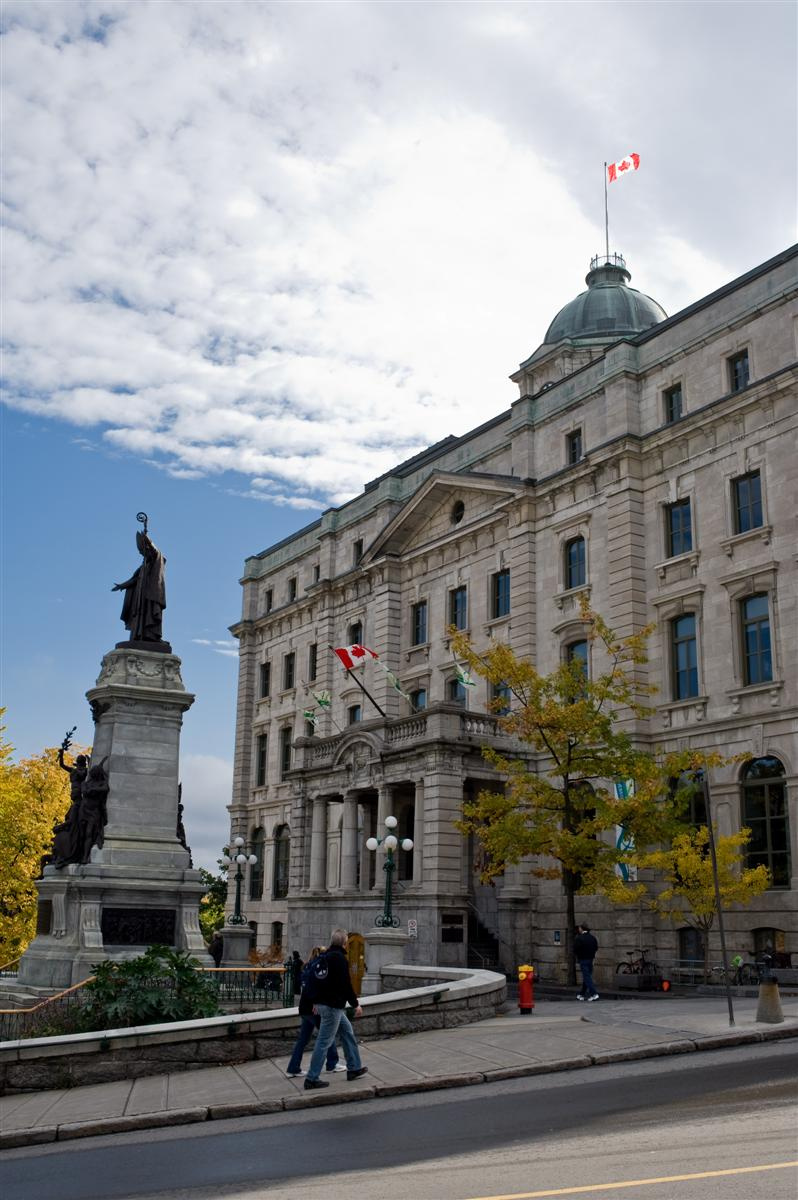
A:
[671,454]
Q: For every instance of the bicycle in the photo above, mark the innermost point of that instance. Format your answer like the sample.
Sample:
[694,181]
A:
[744,975]
[637,966]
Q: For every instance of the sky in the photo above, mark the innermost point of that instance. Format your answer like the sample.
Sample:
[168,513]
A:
[255,254]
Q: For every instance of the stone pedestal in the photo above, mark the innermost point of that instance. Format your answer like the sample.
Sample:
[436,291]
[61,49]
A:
[237,943]
[138,889]
[383,946]
[768,1009]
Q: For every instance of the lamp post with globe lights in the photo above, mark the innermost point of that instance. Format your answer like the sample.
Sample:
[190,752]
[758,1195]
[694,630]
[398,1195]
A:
[236,853]
[390,842]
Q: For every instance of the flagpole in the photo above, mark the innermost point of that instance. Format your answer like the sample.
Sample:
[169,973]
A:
[363,689]
[606,216]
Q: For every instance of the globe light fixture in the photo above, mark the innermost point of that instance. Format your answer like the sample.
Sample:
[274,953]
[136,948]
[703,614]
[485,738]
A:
[389,842]
[236,853]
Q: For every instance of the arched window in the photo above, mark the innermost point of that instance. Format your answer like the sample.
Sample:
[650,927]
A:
[258,840]
[764,812]
[575,573]
[282,856]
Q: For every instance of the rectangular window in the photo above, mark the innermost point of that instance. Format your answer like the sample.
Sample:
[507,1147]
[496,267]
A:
[268,599]
[500,594]
[673,404]
[747,502]
[679,529]
[286,738]
[292,589]
[458,608]
[419,623]
[765,813]
[419,699]
[757,659]
[355,633]
[261,753]
[316,572]
[576,652]
[289,670]
[357,551]
[573,447]
[575,570]
[264,680]
[500,695]
[738,371]
[455,692]
[313,657]
[355,714]
[684,657]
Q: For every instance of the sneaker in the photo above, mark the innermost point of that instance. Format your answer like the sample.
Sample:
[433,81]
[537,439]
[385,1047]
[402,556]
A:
[579,996]
[334,1070]
[350,1075]
[595,996]
[310,1084]
[293,1074]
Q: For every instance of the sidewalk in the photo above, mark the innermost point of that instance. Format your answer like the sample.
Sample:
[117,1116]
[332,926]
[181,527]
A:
[557,1036]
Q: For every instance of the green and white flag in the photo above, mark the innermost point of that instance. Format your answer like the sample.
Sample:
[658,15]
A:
[463,676]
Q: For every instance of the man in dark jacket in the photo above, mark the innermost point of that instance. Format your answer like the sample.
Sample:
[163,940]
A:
[585,950]
[333,993]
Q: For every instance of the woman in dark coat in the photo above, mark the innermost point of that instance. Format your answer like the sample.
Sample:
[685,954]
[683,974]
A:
[308,1022]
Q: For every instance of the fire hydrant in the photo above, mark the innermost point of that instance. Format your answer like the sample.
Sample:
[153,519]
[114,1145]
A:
[526,988]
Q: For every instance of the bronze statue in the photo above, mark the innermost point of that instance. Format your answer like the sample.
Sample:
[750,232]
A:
[93,813]
[66,840]
[145,591]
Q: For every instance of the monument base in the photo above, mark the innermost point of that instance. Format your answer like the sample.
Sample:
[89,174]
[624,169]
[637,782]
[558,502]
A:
[383,946]
[138,889]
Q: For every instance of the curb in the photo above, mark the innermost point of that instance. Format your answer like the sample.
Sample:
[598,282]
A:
[42,1135]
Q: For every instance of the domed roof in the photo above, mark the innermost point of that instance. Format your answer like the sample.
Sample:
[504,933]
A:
[609,309]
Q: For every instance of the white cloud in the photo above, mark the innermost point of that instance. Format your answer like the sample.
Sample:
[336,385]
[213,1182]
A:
[302,242]
[207,785]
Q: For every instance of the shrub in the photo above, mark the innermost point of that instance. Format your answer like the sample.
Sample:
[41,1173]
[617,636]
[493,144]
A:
[161,985]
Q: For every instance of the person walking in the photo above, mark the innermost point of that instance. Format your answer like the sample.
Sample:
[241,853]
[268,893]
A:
[309,1021]
[585,950]
[333,992]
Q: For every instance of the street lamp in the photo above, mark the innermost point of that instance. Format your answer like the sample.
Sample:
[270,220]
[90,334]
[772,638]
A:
[386,919]
[236,853]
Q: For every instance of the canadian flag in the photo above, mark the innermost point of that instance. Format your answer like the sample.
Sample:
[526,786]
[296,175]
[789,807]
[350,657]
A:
[354,656]
[617,170]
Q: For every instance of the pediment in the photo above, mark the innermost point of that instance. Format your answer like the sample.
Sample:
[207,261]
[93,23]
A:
[429,515]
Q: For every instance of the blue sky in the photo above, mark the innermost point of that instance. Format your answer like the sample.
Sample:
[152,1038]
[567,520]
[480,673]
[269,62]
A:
[255,253]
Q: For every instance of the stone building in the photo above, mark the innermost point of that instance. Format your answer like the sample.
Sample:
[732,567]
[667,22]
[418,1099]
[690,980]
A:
[649,462]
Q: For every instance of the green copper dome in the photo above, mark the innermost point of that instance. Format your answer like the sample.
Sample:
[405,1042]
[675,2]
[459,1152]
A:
[609,308]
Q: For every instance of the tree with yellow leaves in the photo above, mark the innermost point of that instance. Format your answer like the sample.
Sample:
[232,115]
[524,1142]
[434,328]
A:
[34,795]
[568,795]
[689,893]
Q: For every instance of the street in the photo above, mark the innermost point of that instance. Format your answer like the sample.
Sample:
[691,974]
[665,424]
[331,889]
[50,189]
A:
[728,1118]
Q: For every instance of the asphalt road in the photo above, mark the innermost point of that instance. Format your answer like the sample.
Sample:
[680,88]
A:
[732,1111]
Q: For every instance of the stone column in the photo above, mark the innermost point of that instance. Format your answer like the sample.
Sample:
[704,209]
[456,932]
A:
[418,833]
[349,843]
[318,845]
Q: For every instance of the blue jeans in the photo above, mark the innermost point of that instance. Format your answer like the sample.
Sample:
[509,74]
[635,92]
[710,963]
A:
[333,1021]
[588,986]
[306,1028]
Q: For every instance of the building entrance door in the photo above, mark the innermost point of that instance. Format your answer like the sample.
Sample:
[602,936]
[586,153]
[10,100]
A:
[356,953]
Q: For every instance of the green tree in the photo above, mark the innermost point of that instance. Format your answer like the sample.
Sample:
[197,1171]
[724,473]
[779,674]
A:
[160,985]
[34,795]
[689,893]
[211,911]
[560,802]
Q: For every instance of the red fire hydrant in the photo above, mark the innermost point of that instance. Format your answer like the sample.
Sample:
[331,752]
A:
[526,988]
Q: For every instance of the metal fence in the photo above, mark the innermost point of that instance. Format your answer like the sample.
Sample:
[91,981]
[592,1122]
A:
[238,989]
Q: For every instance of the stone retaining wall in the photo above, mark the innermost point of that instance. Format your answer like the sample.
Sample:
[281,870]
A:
[414,999]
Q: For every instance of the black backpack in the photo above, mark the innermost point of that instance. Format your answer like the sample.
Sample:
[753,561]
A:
[314,973]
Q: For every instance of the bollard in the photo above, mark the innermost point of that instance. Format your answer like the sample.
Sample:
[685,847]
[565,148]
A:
[768,1010]
[526,991]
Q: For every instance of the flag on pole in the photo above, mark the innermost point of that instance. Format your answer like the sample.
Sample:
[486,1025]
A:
[323,699]
[463,676]
[617,170]
[395,684]
[354,656]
